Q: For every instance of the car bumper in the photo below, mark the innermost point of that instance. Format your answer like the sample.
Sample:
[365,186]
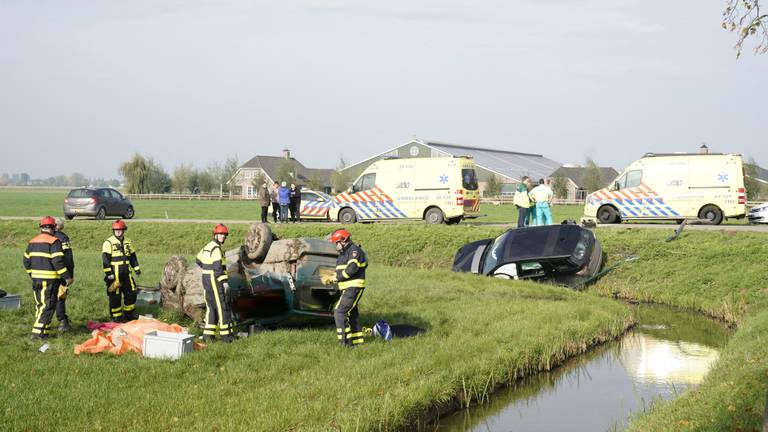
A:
[758,218]
[80,211]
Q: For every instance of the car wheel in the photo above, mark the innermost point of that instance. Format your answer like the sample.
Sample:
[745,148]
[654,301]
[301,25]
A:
[347,216]
[711,214]
[434,216]
[607,215]
[102,213]
[129,213]
[69,216]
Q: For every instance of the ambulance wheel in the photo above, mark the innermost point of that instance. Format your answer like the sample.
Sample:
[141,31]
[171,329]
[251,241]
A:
[607,215]
[347,216]
[434,216]
[711,214]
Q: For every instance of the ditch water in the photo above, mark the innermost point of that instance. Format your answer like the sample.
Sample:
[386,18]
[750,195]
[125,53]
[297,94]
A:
[667,353]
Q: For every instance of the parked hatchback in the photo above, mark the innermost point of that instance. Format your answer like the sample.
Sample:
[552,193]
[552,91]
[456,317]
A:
[98,203]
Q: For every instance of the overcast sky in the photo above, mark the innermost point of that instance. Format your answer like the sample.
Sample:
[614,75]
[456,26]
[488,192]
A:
[84,85]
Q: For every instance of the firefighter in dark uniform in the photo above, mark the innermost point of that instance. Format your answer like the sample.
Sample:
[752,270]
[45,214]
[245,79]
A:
[350,275]
[44,262]
[118,258]
[218,315]
[69,263]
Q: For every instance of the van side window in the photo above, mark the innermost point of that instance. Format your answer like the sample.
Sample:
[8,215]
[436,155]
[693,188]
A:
[633,178]
[365,183]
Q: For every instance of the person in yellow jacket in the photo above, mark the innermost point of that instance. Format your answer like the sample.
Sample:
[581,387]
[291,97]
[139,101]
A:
[119,259]
[350,275]
[523,202]
[218,314]
[44,262]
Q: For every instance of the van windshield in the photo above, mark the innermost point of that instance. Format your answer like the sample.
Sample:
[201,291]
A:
[468,179]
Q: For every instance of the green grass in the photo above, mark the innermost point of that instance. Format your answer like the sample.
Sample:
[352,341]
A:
[482,332]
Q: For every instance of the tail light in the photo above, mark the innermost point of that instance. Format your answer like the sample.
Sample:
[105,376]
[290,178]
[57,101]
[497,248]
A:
[742,195]
[92,201]
[459,197]
[66,200]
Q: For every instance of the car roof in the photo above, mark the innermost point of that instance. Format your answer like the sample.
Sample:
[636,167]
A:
[541,242]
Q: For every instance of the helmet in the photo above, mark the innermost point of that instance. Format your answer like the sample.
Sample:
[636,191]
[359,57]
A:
[47,221]
[221,229]
[119,225]
[340,235]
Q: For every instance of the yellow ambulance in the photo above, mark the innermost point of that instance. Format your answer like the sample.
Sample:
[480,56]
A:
[437,190]
[673,186]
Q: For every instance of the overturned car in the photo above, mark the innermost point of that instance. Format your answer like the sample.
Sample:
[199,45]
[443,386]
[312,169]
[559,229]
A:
[562,254]
[270,281]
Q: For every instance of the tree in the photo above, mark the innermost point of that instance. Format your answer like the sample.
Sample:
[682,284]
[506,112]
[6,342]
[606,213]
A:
[315,182]
[492,187]
[143,175]
[593,177]
[181,176]
[745,18]
[560,187]
[751,184]
[285,171]
[207,181]
[158,180]
[339,179]
[227,171]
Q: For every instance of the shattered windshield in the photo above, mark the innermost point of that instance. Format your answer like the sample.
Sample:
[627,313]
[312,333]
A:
[495,252]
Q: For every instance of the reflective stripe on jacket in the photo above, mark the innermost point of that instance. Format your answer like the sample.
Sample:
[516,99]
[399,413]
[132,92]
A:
[350,267]
[44,258]
[118,256]
[212,261]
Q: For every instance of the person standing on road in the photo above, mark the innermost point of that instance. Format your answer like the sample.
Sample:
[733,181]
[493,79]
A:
[275,204]
[264,199]
[350,275]
[118,258]
[542,196]
[218,315]
[284,199]
[295,198]
[69,263]
[522,202]
[44,262]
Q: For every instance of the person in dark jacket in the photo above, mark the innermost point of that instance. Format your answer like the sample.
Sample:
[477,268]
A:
[265,200]
[295,202]
[44,262]
[275,202]
[69,263]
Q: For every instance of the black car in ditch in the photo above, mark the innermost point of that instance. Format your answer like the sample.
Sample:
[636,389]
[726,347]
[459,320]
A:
[564,254]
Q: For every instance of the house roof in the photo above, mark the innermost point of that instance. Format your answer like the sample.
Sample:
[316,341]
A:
[576,174]
[270,164]
[506,163]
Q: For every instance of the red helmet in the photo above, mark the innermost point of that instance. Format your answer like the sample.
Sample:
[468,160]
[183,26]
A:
[221,229]
[119,225]
[340,235]
[47,221]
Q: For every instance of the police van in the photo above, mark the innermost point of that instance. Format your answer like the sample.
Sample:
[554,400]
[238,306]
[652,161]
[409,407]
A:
[674,186]
[437,190]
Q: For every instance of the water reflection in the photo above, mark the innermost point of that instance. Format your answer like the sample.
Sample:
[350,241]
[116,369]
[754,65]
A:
[668,353]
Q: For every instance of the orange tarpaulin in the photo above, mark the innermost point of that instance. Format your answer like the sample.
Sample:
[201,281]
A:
[125,337]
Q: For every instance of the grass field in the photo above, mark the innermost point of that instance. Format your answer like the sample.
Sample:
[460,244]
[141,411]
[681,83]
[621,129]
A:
[481,332]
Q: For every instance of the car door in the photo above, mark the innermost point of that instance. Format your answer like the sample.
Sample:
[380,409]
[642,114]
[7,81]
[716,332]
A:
[312,206]
[106,201]
[119,202]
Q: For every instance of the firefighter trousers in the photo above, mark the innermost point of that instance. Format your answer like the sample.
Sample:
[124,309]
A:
[45,292]
[122,303]
[218,315]
[347,317]
[61,309]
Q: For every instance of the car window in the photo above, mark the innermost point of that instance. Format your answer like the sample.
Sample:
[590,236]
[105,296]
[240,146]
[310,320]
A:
[366,182]
[80,193]
[634,178]
[494,253]
[116,194]
[307,196]
[104,193]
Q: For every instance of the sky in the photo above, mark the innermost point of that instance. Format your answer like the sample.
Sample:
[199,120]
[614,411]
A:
[86,84]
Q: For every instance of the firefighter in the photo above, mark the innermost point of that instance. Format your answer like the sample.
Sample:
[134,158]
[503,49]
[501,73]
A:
[218,315]
[119,259]
[350,275]
[44,262]
[69,263]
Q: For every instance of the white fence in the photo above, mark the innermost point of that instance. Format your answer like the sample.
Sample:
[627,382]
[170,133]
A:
[198,197]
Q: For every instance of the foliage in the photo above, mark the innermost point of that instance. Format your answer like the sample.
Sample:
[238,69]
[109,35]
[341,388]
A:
[340,181]
[751,184]
[144,175]
[315,182]
[593,177]
[492,187]
[560,187]
[746,19]
[258,179]
[181,178]
[285,171]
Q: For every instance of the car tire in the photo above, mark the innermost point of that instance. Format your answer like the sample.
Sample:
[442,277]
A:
[434,216]
[347,216]
[101,214]
[711,214]
[607,215]
[69,216]
[129,213]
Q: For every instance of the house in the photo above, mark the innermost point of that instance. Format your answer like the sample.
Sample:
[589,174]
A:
[508,166]
[575,176]
[259,168]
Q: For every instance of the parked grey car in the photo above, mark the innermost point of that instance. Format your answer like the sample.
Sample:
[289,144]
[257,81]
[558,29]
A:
[98,203]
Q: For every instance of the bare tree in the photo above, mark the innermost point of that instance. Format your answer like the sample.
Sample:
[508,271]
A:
[746,19]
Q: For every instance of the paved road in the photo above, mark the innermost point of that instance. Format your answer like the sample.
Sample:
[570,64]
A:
[665,226]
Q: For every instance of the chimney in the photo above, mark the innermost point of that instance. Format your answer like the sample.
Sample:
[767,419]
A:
[286,153]
[703,149]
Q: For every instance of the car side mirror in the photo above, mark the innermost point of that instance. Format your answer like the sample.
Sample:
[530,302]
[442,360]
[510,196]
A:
[616,186]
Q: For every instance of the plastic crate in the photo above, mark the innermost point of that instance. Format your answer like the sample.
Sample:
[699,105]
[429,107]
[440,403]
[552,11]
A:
[10,302]
[167,345]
